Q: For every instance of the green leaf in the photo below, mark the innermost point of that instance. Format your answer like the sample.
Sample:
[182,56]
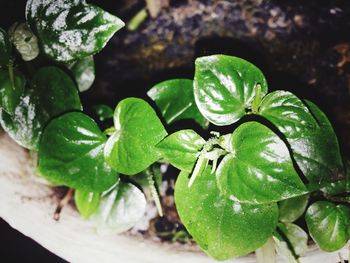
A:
[70,29]
[296,236]
[260,170]
[51,94]
[222,227]
[225,88]
[283,250]
[71,154]
[12,84]
[5,48]
[84,72]
[103,112]
[121,207]
[313,142]
[87,202]
[175,100]
[132,147]
[291,209]
[181,149]
[328,225]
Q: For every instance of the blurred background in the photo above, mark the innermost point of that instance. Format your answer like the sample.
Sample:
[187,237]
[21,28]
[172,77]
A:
[301,46]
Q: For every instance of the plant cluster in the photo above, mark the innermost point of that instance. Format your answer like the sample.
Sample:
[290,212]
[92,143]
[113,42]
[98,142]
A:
[236,192]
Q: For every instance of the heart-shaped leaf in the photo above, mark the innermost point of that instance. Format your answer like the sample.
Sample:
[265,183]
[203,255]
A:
[84,72]
[312,140]
[121,207]
[225,88]
[181,149]
[260,170]
[295,236]
[328,224]
[12,84]
[86,202]
[71,154]
[70,29]
[175,100]
[51,94]
[222,227]
[132,147]
[291,209]
[5,48]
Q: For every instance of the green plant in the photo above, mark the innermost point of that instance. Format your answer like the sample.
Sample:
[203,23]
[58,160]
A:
[236,193]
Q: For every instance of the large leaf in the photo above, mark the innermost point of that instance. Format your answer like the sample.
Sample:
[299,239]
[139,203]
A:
[175,100]
[87,202]
[225,87]
[222,227]
[313,142]
[51,94]
[5,48]
[296,237]
[291,209]
[328,224]
[132,147]
[121,207]
[11,89]
[181,149]
[84,72]
[71,29]
[71,154]
[260,170]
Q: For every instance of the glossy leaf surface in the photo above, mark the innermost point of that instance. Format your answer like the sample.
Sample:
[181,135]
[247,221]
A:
[5,48]
[121,207]
[291,209]
[103,112]
[86,202]
[11,90]
[181,149]
[225,87]
[260,169]
[223,228]
[70,29]
[297,237]
[175,100]
[84,72]
[71,154]
[132,147]
[313,142]
[51,94]
[328,225]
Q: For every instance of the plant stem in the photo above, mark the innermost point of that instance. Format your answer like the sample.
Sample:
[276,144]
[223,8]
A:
[65,200]
[137,20]
[109,131]
[198,169]
[12,79]
[154,192]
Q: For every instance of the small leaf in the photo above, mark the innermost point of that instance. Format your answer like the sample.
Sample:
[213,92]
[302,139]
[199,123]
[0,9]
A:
[223,228]
[225,88]
[132,147]
[51,94]
[71,154]
[291,209]
[181,149]
[328,225]
[70,29]
[103,112]
[5,48]
[260,170]
[86,202]
[11,89]
[283,250]
[84,72]
[175,100]
[121,207]
[296,236]
[313,142]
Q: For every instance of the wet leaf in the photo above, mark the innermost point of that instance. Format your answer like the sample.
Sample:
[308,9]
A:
[132,147]
[223,228]
[291,209]
[71,154]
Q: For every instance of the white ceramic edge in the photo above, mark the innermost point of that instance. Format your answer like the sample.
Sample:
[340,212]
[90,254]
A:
[27,205]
